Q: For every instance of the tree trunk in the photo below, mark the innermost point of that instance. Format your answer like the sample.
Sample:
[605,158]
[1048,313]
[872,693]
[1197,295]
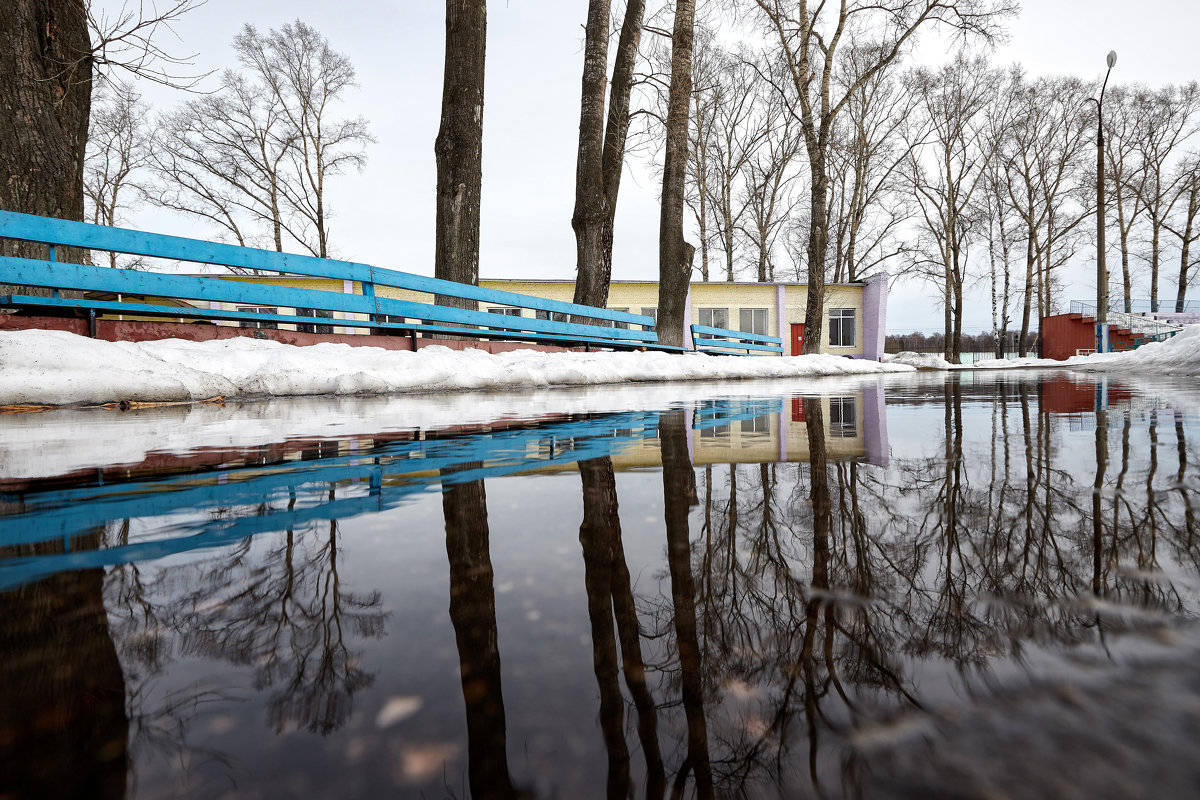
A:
[1185,242]
[1154,244]
[679,494]
[814,307]
[1023,346]
[459,148]
[473,615]
[601,147]
[45,99]
[591,206]
[674,254]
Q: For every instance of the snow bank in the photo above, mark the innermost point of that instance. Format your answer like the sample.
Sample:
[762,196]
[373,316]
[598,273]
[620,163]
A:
[919,360]
[59,368]
[1179,355]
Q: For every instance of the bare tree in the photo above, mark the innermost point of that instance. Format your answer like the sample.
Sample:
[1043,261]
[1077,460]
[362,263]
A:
[1168,119]
[768,176]
[50,50]
[734,142]
[223,158]
[602,146]
[459,148]
[701,132]
[1124,174]
[807,39]
[303,77]
[866,168]
[946,172]
[1186,225]
[675,255]
[254,157]
[118,153]
[1045,179]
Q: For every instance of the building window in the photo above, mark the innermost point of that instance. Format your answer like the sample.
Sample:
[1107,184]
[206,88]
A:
[505,311]
[753,320]
[253,323]
[715,317]
[843,413]
[756,425]
[841,327]
[652,313]
[618,323]
[715,431]
[319,313]
[546,315]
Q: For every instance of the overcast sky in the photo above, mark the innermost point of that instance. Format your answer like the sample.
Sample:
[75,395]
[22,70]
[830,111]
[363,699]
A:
[385,216]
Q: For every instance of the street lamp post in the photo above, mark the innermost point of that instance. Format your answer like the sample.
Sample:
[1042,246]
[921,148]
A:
[1101,266]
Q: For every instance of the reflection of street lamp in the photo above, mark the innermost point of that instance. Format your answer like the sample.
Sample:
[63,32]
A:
[1101,267]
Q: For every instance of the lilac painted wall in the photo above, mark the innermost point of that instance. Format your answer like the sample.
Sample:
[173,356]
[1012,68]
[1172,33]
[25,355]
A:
[874,316]
[780,314]
[874,416]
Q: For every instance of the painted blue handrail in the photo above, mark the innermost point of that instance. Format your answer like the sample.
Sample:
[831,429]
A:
[57,275]
[706,338]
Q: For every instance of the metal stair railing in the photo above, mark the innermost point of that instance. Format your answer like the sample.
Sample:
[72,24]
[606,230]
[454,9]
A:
[1134,323]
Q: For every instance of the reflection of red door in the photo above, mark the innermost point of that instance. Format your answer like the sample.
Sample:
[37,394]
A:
[797,338]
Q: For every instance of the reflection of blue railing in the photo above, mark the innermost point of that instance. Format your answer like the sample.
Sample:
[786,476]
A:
[224,506]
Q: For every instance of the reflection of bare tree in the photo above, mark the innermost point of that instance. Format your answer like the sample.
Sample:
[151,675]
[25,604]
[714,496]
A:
[679,494]
[286,614]
[473,613]
[610,593]
[63,726]
[819,610]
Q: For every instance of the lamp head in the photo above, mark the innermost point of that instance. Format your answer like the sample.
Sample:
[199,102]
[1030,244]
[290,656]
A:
[1112,58]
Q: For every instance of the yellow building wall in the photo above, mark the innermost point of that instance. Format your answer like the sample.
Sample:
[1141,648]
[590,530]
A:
[633,296]
[795,300]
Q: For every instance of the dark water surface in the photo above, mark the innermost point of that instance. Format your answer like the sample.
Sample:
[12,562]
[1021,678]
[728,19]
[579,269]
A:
[930,586]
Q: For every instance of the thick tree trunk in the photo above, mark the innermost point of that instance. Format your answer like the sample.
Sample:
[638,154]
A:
[674,254]
[1154,251]
[1185,243]
[602,147]
[591,205]
[1023,346]
[459,148]
[818,241]
[45,99]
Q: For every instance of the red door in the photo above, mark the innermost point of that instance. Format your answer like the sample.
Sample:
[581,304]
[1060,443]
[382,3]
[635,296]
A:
[797,338]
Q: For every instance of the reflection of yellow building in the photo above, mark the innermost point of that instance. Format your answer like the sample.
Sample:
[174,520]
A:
[852,429]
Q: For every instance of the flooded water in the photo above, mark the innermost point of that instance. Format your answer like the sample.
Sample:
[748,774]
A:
[919,586]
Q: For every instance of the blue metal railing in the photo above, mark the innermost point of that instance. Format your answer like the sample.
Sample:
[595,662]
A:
[367,309]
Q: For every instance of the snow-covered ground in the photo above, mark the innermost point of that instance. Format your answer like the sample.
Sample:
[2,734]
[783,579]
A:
[1179,355]
[59,368]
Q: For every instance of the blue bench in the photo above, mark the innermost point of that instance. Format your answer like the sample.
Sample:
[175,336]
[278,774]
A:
[167,295]
[722,341]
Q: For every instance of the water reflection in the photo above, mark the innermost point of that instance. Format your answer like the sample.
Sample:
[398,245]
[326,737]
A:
[808,595]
